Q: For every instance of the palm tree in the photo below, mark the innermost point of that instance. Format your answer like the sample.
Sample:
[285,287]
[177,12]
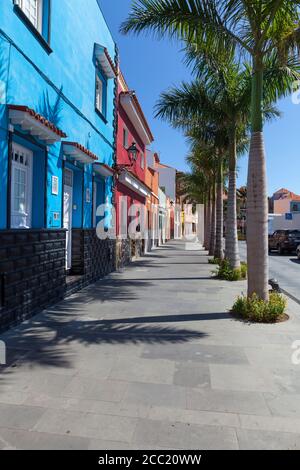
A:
[208,144]
[222,90]
[256,29]
[196,187]
[203,165]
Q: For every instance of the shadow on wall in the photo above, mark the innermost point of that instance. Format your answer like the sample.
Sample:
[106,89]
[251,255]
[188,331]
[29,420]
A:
[52,112]
[5,79]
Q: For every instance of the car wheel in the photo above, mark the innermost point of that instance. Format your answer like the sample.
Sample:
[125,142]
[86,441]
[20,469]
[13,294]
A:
[298,254]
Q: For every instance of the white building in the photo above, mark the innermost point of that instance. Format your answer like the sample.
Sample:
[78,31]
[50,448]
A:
[167,180]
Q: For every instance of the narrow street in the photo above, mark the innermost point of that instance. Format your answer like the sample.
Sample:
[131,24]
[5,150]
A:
[286,269]
[150,358]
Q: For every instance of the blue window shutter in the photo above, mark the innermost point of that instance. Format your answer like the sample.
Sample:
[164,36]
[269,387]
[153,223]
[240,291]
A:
[46,20]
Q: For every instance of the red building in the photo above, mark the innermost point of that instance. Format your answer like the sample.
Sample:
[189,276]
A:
[133,137]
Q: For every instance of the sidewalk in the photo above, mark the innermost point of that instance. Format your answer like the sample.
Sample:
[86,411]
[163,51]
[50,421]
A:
[150,359]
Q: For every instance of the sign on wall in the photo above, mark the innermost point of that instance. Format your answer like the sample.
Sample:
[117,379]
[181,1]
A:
[88,195]
[289,216]
[55,184]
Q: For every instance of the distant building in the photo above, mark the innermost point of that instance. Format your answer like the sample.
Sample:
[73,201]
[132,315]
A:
[284,201]
[133,133]
[167,180]
[152,181]
[167,183]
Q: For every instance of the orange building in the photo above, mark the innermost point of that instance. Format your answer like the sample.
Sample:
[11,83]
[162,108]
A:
[152,203]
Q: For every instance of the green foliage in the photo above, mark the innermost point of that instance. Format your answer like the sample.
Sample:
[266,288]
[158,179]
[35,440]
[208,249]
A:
[226,273]
[244,270]
[257,310]
[214,261]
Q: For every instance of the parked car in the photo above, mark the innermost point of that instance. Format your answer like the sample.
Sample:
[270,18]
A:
[285,241]
[298,252]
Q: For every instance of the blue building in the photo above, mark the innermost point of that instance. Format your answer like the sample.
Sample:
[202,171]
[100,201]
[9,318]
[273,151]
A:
[58,89]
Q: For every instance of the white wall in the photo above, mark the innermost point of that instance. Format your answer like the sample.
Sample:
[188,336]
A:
[167,179]
[278,222]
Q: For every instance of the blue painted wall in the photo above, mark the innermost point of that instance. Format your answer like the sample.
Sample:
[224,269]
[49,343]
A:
[30,75]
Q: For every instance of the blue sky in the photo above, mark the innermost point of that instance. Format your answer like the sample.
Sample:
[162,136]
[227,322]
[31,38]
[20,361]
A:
[151,67]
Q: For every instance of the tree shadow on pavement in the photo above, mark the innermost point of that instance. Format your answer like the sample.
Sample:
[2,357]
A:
[53,337]
[185,317]
[31,346]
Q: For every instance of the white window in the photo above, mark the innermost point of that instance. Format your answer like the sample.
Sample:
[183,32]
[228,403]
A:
[21,187]
[68,178]
[33,9]
[68,214]
[99,94]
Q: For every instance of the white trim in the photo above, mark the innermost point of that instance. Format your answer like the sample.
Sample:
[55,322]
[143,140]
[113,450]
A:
[99,94]
[133,183]
[31,125]
[102,170]
[25,218]
[68,189]
[78,155]
[94,203]
[104,62]
[127,103]
[39,17]
[54,185]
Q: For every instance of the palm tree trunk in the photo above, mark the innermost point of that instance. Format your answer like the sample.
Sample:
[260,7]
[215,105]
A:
[204,215]
[219,251]
[257,207]
[212,243]
[232,244]
[208,220]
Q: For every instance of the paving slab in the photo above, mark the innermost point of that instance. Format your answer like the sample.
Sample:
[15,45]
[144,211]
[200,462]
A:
[192,375]
[185,436]
[227,401]
[283,404]
[14,439]
[142,370]
[269,423]
[90,388]
[201,353]
[242,378]
[149,357]
[267,440]
[88,425]
[19,416]
[156,394]
[210,418]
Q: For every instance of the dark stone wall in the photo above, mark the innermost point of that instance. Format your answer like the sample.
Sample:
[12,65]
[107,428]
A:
[123,253]
[137,248]
[91,257]
[32,272]
[32,269]
[128,249]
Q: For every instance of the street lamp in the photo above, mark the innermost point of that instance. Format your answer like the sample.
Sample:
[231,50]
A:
[133,152]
